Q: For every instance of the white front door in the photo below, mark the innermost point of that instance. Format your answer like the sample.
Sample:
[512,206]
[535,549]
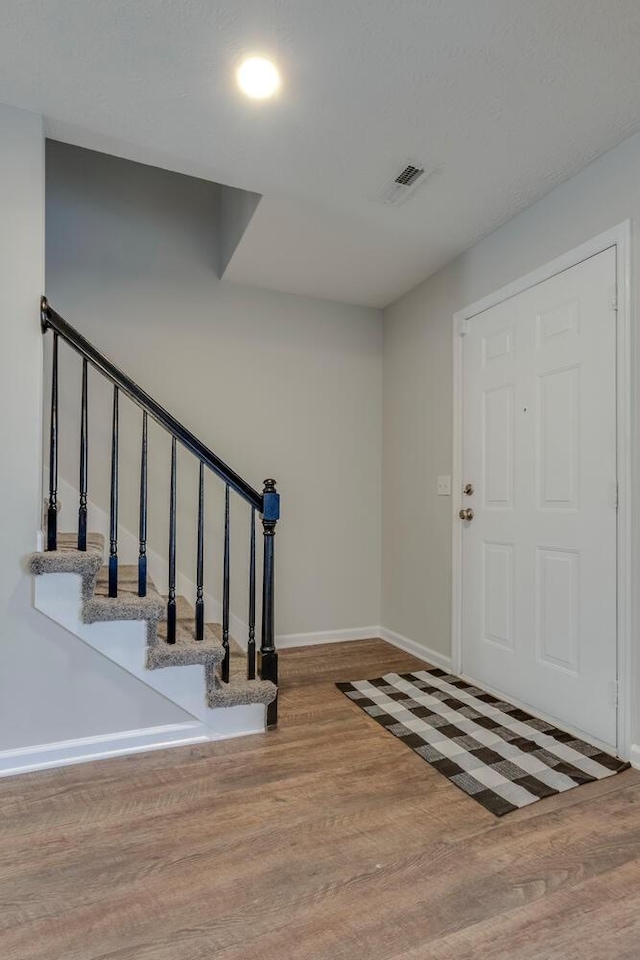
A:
[539,449]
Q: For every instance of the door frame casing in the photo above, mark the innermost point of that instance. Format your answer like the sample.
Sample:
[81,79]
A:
[619,237]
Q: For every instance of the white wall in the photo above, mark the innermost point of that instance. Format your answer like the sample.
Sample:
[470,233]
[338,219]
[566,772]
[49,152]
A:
[277,385]
[417,444]
[52,687]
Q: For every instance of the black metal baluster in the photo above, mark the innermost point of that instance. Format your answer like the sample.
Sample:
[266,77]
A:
[200,560]
[113,513]
[84,453]
[142,550]
[225,591]
[268,653]
[266,503]
[52,510]
[251,647]
[171,605]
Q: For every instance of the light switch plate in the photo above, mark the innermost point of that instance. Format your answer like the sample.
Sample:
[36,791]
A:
[444,486]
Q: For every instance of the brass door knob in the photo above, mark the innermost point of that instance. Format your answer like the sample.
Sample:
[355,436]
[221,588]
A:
[466,514]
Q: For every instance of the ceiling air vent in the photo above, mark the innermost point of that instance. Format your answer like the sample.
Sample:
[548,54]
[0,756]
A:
[409,175]
[409,178]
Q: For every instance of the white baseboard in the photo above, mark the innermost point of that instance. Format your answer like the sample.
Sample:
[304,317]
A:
[65,752]
[417,649]
[634,757]
[365,633]
[326,636]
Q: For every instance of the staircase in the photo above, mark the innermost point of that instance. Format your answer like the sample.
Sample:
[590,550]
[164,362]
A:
[157,635]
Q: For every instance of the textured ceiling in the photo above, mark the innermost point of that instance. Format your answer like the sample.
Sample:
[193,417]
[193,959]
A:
[502,98]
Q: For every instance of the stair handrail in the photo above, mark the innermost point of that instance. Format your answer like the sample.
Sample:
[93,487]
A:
[267,504]
[50,319]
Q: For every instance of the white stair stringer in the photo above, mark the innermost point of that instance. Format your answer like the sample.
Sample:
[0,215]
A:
[59,597]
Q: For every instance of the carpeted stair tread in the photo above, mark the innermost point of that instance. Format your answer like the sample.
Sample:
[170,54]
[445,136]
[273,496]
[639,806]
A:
[184,609]
[127,605]
[244,691]
[68,559]
[238,691]
[69,541]
[186,650]
[185,612]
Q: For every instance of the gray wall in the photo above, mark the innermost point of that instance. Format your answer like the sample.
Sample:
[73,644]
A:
[418,386]
[236,208]
[52,687]
[277,385]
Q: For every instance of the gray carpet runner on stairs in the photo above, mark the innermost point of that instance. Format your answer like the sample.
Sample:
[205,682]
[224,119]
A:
[97,606]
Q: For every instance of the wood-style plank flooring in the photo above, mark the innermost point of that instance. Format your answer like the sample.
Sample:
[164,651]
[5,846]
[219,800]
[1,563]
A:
[327,839]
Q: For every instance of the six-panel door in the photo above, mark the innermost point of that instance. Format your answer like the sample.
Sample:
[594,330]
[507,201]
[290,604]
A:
[539,447]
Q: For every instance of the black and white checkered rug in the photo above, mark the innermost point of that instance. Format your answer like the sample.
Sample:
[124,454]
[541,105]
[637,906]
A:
[501,756]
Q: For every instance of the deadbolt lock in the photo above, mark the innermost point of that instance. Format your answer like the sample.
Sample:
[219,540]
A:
[468,490]
[466,514]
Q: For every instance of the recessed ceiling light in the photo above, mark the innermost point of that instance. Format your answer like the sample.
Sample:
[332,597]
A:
[258,78]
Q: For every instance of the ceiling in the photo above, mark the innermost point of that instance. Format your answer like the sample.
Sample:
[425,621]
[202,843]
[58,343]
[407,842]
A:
[501,99]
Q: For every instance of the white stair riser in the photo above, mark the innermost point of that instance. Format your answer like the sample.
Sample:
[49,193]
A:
[59,597]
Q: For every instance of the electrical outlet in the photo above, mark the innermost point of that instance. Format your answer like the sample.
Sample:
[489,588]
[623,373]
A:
[444,486]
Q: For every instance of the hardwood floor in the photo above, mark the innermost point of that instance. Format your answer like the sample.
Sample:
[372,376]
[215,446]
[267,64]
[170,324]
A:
[327,839]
